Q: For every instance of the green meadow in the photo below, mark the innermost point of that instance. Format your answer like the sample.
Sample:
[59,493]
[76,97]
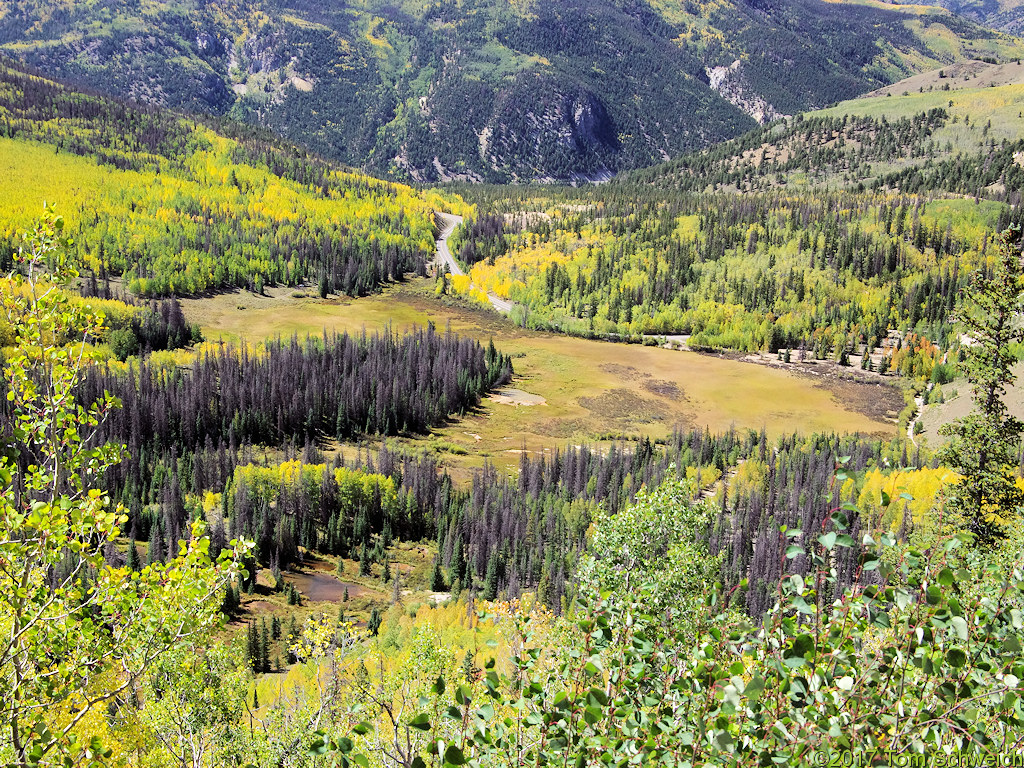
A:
[592,391]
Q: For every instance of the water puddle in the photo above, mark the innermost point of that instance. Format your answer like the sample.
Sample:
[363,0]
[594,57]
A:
[322,587]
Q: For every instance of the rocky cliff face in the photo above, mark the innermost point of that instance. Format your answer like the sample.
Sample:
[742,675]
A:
[545,129]
[732,85]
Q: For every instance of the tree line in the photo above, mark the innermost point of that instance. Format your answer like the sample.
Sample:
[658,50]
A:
[502,535]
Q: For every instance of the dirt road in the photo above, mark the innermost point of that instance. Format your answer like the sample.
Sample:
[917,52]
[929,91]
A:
[448,223]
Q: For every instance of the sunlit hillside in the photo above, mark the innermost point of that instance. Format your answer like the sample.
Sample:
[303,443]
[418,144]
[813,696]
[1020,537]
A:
[176,207]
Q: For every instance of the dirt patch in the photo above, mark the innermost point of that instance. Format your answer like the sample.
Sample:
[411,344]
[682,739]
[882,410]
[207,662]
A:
[876,400]
[627,372]
[561,428]
[664,388]
[517,397]
[259,606]
[624,405]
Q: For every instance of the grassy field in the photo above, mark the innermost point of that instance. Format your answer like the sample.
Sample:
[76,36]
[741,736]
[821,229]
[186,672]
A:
[591,390]
[977,91]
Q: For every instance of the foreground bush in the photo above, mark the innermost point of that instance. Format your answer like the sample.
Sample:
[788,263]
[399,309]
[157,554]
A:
[922,656]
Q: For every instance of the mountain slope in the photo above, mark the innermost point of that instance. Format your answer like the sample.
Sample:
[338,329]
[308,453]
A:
[910,136]
[177,207]
[1007,15]
[492,89]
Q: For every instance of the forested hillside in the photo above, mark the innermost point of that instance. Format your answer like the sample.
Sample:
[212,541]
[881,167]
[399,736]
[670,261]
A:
[1007,15]
[967,115]
[819,274]
[176,207]
[821,234]
[496,91]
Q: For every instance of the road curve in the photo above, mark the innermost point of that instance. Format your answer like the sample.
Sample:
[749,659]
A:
[448,222]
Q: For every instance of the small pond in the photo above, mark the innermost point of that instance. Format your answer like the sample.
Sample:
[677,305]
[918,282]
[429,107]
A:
[319,587]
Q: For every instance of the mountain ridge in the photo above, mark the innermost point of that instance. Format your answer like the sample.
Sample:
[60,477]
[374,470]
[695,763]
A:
[478,90]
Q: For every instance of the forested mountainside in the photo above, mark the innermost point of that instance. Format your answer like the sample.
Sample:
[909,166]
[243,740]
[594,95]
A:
[174,206]
[1007,15]
[488,90]
[967,116]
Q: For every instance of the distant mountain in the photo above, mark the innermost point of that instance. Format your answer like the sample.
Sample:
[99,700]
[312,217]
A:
[1007,15]
[493,90]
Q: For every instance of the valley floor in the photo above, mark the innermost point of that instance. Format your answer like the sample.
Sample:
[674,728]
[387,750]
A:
[573,390]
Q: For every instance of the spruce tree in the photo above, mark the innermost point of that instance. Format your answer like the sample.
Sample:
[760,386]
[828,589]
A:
[457,565]
[364,561]
[490,591]
[437,578]
[374,623]
[155,550]
[228,606]
[132,562]
[983,446]
[264,647]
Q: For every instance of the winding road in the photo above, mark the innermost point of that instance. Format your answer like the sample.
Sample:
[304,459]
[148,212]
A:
[448,223]
[919,401]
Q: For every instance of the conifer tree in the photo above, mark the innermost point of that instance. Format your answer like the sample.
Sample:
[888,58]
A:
[984,445]
[132,560]
[364,561]
[490,590]
[437,578]
[264,648]
[228,605]
[155,550]
[374,622]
